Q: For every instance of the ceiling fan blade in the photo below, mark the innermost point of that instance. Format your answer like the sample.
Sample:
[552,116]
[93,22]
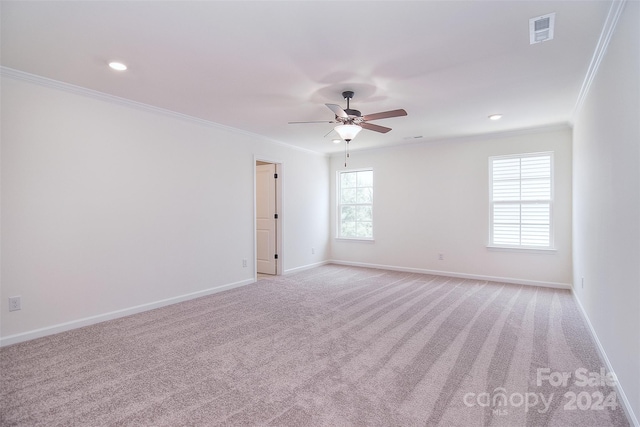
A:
[385,115]
[329,133]
[318,121]
[337,110]
[375,128]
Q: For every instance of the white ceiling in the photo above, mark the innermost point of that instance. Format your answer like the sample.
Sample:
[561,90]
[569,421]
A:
[257,65]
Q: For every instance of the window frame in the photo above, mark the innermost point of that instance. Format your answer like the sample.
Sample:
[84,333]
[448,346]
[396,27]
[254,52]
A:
[339,204]
[528,248]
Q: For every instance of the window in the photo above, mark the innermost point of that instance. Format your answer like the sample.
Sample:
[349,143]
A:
[521,198]
[355,204]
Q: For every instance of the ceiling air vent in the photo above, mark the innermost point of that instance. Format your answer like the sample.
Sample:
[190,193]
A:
[541,28]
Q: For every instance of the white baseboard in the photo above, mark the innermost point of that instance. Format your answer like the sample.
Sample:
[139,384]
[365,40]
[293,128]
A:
[460,275]
[305,267]
[74,324]
[623,397]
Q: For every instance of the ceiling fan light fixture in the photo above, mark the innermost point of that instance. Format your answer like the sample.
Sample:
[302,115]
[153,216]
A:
[347,132]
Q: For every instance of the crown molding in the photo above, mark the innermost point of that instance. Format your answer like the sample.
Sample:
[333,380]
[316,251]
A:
[105,97]
[608,29]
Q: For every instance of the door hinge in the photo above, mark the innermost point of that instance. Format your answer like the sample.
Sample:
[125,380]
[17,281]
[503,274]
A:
[275,216]
[275,176]
[276,256]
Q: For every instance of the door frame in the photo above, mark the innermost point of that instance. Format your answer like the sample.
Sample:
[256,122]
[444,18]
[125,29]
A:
[279,222]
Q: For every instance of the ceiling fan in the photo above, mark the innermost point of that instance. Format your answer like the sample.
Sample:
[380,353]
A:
[352,121]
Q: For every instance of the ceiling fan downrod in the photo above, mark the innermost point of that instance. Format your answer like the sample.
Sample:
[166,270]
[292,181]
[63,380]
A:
[347,94]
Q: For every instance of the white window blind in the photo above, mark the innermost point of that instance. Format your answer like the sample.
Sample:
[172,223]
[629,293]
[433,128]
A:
[355,204]
[521,200]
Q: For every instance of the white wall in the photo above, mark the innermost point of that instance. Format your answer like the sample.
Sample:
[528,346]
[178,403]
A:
[433,198]
[108,206]
[606,161]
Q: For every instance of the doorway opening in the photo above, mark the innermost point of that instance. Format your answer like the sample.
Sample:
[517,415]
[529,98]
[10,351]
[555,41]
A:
[268,218]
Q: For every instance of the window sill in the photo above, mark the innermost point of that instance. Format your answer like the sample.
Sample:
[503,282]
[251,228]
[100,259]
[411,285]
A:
[355,239]
[518,249]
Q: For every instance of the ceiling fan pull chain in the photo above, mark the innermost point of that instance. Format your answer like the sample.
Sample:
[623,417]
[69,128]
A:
[346,153]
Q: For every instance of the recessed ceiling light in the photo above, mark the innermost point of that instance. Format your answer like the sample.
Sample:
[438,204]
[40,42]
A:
[336,141]
[495,116]
[118,66]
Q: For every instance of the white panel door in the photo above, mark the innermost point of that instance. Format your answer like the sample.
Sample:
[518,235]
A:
[266,222]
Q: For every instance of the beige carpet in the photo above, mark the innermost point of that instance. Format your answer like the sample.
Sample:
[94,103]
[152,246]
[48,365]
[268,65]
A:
[332,346]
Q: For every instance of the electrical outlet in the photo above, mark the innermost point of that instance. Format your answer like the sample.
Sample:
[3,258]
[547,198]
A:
[244,263]
[313,251]
[582,283]
[15,303]
[441,257]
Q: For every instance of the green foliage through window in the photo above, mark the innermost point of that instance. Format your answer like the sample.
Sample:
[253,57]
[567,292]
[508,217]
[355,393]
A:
[355,204]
